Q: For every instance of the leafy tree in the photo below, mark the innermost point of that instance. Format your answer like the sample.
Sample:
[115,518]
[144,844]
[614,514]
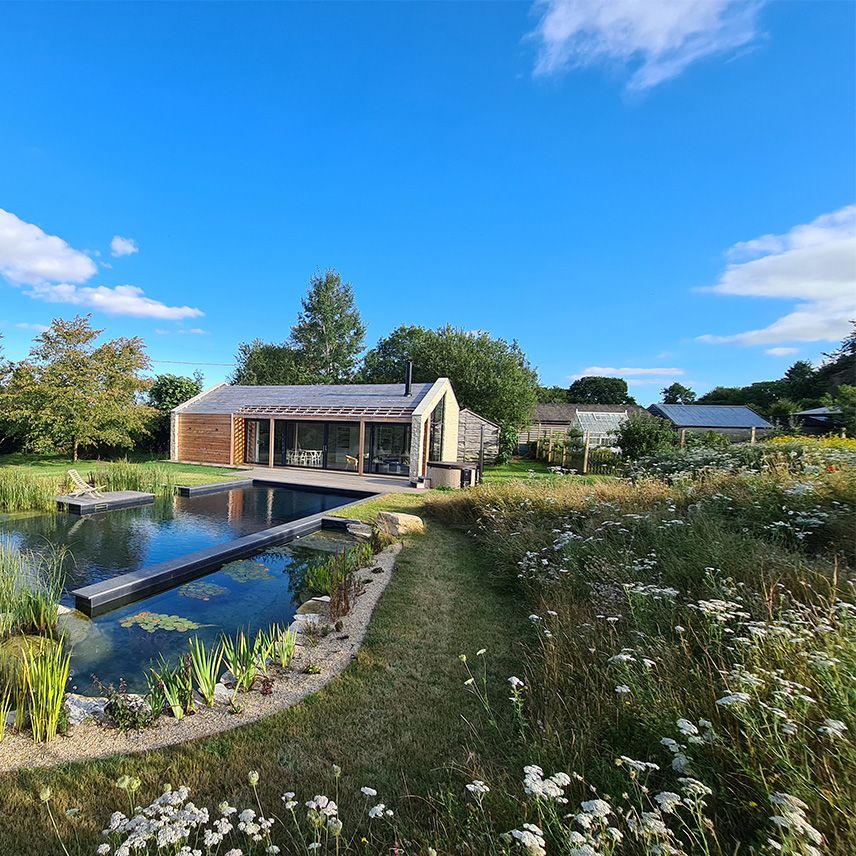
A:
[266,364]
[489,375]
[802,381]
[166,392]
[677,393]
[552,395]
[845,401]
[387,361]
[329,334]
[599,390]
[69,393]
[724,395]
[643,433]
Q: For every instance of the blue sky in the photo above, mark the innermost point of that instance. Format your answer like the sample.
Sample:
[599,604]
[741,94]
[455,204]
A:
[662,190]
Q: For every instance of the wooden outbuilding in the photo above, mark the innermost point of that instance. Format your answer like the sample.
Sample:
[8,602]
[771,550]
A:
[473,429]
[390,429]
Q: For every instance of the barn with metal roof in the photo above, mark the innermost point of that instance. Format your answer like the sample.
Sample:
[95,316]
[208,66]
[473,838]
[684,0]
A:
[732,420]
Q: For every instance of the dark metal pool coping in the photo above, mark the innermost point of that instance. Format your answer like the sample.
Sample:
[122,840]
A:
[110,594]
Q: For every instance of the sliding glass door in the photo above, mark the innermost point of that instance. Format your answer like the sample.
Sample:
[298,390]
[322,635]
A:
[257,443]
[317,445]
[389,449]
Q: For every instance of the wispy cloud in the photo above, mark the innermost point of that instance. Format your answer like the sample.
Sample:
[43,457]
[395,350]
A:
[659,40]
[781,352]
[199,332]
[123,246]
[815,263]
[609,371]
[55,273]
[39,328]
[121,300]
[29,256]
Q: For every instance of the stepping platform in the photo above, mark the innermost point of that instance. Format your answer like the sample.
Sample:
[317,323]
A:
[108,501]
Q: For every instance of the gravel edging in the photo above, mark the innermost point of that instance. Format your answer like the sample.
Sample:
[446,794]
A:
[331,655]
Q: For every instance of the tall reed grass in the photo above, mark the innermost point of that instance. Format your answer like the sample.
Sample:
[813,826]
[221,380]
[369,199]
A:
[125,475]
[25,491]
[31,585]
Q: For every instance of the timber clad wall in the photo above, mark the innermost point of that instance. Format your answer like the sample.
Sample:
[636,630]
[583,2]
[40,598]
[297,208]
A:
[205,437]
[469,437]
[240,437]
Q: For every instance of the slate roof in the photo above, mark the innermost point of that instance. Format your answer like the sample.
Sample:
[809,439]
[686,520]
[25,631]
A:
[566,412]
[364,399]
[709,415]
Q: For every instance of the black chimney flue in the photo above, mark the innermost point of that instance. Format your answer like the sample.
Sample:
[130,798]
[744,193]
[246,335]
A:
[408,378]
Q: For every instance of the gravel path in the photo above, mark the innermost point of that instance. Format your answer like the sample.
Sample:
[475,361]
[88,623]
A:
[331,655]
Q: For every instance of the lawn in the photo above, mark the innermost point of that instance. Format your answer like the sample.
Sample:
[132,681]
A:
[56,466]
[399,719]
[521,469]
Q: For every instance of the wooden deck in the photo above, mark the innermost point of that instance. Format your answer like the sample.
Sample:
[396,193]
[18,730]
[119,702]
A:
[108,501]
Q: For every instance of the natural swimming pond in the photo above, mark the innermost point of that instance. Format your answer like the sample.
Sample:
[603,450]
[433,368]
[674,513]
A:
[106,544]
[249,593]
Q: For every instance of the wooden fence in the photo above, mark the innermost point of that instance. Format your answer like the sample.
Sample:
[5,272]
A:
[589,459]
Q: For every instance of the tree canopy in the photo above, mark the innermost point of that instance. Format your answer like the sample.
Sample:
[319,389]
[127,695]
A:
[599,390]
[490,376]
[677,393]
[552,395]
[166,392]
[70,393]
[262,363]
[329,335]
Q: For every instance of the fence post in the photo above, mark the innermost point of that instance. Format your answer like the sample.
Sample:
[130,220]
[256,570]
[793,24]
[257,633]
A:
[564,455]
[752,439]
[683,436]
[550,450]
[586,453]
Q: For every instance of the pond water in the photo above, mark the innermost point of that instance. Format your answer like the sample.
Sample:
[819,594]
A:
[249,594]
[103,545]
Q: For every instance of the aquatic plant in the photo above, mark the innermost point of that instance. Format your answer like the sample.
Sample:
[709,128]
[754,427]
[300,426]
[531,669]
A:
[206,667]
[282,643]
[46,676]
[152,621]
[175,684]
[202,590]
[244,660]
[31,585]
[24,491]
[246,570]
[125,475]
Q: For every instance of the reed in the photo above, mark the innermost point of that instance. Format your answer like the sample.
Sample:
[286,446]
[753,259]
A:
[175,684]
[125,475]
[244,660]
[24,491]
[46,676]
[281,642]
[206,667]
[31,585]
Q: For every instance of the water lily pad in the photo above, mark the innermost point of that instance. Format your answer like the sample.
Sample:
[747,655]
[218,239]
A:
[202,591]
[152,621]
[246,570]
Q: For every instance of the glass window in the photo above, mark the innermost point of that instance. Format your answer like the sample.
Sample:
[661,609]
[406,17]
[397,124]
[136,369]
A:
[343,446]
[389,451]
[438,425]
[257,444]
[302,444]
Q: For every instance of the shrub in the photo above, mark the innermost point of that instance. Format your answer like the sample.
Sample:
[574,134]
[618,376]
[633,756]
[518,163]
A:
[642,433]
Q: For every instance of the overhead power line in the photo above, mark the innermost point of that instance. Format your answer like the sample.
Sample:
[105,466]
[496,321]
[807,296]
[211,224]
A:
[184,363]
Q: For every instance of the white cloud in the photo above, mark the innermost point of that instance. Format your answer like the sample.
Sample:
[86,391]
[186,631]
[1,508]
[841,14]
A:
[609,371]
[162,332]
[123,246]
[39,328]
[29,256]
[781,352]
[199,332]
[660,39]
[814,263]
[121,300]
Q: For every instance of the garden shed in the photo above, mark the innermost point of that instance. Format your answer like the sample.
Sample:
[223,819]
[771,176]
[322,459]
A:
[557,419]
[734,421]
[472,427]
[389,429]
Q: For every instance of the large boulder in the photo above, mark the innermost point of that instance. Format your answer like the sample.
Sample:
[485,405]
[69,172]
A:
[396,525]
[80,708]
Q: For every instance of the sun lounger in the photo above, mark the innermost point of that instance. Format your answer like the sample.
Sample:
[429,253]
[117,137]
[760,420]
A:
[83,488]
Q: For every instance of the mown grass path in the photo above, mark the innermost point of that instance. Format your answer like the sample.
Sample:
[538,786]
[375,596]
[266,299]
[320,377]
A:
[393,721]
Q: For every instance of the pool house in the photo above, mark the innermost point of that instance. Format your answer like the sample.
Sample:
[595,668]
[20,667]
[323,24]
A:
[385,429]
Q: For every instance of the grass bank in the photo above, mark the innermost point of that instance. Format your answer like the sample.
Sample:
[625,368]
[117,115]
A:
[399,720]
[30,482]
